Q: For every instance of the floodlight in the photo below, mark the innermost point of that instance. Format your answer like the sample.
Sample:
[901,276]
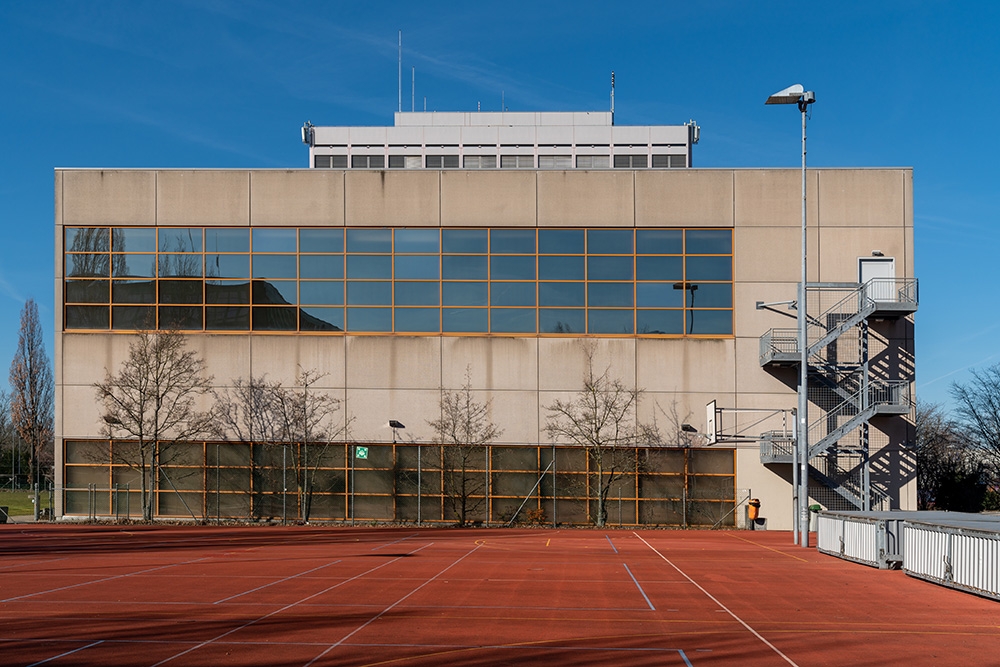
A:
[395,424]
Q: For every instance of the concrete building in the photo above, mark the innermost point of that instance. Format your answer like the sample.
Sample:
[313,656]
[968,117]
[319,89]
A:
[399,283]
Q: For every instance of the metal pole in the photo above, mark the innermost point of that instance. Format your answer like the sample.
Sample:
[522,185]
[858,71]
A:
[128,500]
[354,453]
[553,486]
[218,506]
[36,494]
[419,489]
[802,441]
[284,483]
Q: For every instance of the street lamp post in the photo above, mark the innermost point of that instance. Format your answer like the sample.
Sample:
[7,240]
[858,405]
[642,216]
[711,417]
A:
[800,469]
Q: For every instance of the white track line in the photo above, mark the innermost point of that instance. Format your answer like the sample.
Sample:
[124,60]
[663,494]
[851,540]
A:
[253,590]
[716,601]
[56,657]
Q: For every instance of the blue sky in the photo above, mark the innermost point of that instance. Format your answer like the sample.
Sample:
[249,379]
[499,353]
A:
[229,84]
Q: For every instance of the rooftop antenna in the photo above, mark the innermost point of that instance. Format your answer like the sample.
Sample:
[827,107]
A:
[612,97]
[425,104]
[479,105]
[400,70]
[503,102]
[413,91]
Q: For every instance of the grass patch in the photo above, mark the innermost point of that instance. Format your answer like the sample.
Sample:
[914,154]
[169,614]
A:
[19,502]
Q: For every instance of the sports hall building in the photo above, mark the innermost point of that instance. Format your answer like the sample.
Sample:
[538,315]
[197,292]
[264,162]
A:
[502,250]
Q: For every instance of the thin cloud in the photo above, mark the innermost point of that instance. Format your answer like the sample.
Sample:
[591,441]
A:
[957,370]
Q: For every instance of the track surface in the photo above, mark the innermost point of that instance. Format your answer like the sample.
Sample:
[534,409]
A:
[113,596]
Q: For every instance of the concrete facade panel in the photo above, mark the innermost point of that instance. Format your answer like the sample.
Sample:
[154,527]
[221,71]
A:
[108,197]
[695,365]
[377,198]
[843,247]
[772,254]
[518,413]
[562,362]
[862,197]
[773,197]
[492,362]
[585,199]
[751,322]
[371,409]
[299,197]
[684,198]
[188,198]
[475,198]
[388,362]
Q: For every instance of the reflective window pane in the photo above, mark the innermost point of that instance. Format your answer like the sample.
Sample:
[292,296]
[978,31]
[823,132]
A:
[364,293]
[417,294]
[417,320]
[275,266]
[609,241]
[180,266]
[464,293]
[465,241]
[227,240]
[321,319]
[561,268]
[228,266]
[417,267]
[464,267]
[708,241]
[180,317]
[659,241]
[708,268]
[177,239]
[135,239]
[609,294]
[659,268]
[87,291]
[560,241]
[133,291]
[227,291]
[321,292]
[710,322]
[274,240]
[562,294]
[369,240]
[609,268]
[227,318]
[607,321]
[416,241]
[133,317]
[321,267]
[561,320]
[660,322]
[272,318]
[512,268]
[512,320]
[710,295]
[133,266]
[276,292]
[369,266]
[369,319]
[507,241]
[512,294]
[87,317]
[87,265]
[465,320]
[86,239]
[180,291]
[658,295]
[321,240]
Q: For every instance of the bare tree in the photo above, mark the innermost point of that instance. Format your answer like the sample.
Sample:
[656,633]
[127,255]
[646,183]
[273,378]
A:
[465,431]
[978,408]
[152,400]
[950,473]
[32,400]
[602,419]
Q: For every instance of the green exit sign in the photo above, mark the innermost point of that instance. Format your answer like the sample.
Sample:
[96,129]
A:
[361,452]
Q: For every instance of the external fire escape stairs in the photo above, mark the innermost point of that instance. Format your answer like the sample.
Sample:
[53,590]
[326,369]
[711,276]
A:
[852,397]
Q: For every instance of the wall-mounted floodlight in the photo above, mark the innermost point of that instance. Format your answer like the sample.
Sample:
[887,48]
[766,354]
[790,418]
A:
[395,424]
[687,428]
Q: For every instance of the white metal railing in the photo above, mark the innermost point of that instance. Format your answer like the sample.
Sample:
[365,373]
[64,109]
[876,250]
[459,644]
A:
[960,557]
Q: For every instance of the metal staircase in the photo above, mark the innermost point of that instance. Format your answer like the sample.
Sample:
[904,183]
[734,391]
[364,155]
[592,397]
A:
[842,384]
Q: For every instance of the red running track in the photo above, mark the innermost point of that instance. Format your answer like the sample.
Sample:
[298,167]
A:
[115,596]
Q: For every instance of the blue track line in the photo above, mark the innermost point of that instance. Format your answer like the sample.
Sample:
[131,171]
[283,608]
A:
[611,543]
[396,542]
[639,587]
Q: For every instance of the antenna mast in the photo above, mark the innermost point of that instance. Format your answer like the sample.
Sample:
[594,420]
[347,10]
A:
[413,90]
[400,70]
[612,97]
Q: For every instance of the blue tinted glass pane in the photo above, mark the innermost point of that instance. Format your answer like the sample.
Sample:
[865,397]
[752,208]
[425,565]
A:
[228,266]
[504,241]
[659,241]
[321,319]
[464,267]
[561,268]
[711,295]
[417,240]
[561,320]
[609,241]
[181,266]
[275,266]
[710,322]
[133,266]
[180,317]
[88,291]
[227,291]
[87,317]
[659,268]
[227,240]
[512,320]
[87,239]
[321,292]
[276,292]
[417,294]
[369,266]
[463,240]
[175,239]
[369,319]
[417,267]
[658,295]
[464,294]
[562,294]
[708,241]
[321,240]
[229,318]
[512,268]
[660,322]
[369,240]
[87,265]
[275,319]
[560,241]
[609,268]
[609,294]
[512,294]
[140,239]
[274,240]
[465,320]
[603,321]
[369,293]
[422,320]
[133,317]
[709,268]
[133,291]
[321,267]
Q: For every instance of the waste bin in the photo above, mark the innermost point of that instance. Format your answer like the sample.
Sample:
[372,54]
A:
[813,520]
